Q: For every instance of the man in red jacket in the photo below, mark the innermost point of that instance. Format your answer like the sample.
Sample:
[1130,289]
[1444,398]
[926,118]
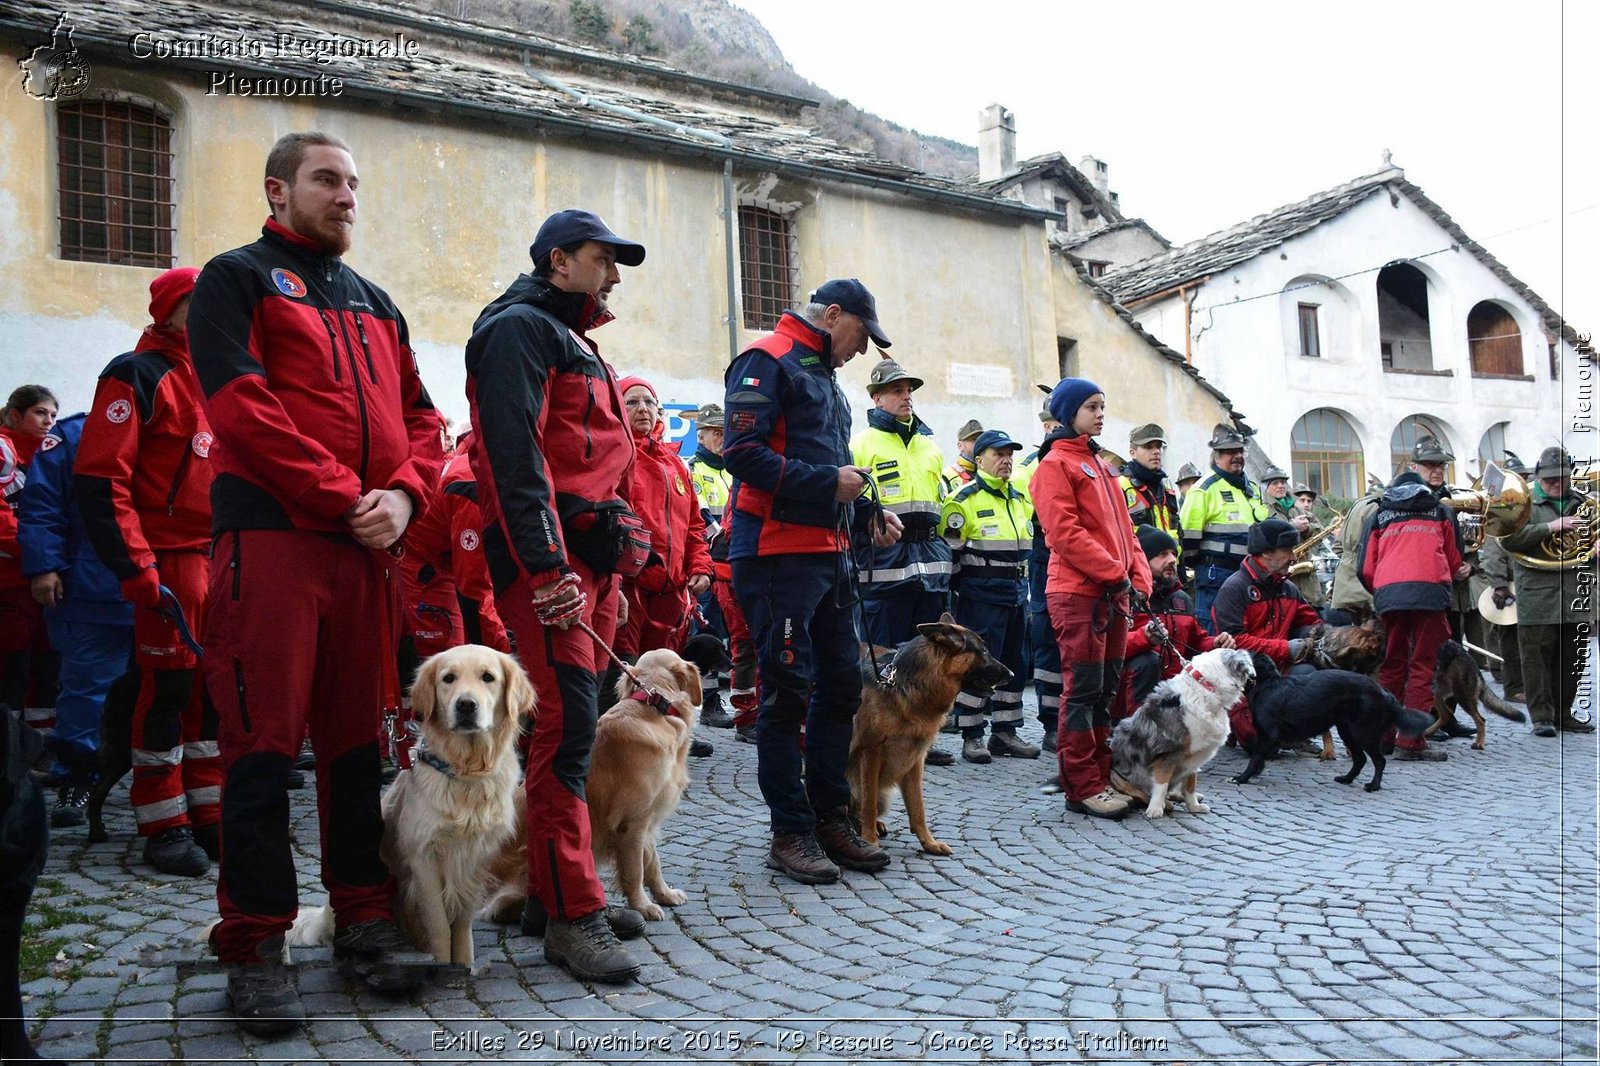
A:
[1261,607]
[553,455]
[1095,561]
[1409,558]
[142,480]
[1158,636]
[328,446]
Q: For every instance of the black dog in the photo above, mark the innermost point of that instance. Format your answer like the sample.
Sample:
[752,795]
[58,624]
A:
[706,652]
[24,838]
[1290,709]
[116,749]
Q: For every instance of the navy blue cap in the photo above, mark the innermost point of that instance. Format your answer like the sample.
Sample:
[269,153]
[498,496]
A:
[993,438]
[853,296]
[566,228]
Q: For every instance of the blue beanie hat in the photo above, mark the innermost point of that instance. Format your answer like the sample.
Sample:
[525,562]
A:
[1069,395]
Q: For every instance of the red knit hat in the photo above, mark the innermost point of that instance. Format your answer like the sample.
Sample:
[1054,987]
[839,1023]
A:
[168,290]
[629,382]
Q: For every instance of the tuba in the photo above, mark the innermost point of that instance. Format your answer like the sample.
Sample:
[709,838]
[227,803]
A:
[1497,505]
[1576,546]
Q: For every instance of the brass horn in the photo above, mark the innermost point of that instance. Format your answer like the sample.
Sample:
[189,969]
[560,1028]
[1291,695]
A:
[1576,546]
[1497,505]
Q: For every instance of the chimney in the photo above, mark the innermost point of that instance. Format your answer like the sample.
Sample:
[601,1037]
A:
[997,142]
[1097,172]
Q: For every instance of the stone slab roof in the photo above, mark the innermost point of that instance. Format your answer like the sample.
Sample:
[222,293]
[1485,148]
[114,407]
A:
[517,79]
[1056,163]
[1068,241]
[1227,248]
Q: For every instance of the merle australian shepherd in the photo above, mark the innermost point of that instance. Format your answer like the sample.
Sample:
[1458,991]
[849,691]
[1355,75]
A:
[1291,709]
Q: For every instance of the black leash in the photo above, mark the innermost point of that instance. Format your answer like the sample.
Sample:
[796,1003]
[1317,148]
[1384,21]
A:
[875,522]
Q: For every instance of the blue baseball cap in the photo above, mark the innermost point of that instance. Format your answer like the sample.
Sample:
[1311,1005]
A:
[566,228]
[853,296]
[993,438]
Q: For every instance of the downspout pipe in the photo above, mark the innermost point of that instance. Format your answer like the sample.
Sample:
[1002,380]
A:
[728,221]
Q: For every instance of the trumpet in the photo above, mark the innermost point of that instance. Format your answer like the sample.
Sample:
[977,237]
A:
[1302,552]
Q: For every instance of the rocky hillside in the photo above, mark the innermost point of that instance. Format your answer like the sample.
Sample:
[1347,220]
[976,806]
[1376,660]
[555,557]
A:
[719,40]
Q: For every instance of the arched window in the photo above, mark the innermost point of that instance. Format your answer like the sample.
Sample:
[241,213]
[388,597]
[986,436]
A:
[1326,454]
[1403,331]
[1494,340]
[1404,439]
[1492,448]
[115,183]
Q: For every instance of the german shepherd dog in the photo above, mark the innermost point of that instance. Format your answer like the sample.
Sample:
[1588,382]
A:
[1288,709]
[900,718]
[1457,682]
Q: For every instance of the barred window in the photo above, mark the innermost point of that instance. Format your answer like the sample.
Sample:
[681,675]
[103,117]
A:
[766,246]
[115,177]
[1326,454]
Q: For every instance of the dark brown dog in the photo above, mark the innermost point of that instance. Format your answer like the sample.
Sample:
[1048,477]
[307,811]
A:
[1358,649]
[1457,682]
[900,718]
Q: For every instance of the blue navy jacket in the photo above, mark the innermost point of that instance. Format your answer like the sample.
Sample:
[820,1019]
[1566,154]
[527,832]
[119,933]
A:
[787,433]
[53,538]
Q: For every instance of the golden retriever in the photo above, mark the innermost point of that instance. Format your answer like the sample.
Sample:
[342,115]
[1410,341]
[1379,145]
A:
[442,826]
[447,817]
[638,771]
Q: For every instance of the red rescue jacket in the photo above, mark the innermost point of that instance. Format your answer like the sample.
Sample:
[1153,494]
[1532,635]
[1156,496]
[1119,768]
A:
[1263,611]
[1409,553]
[310,387]
[447,547]
[142,476]
[661,492]
[1085,520]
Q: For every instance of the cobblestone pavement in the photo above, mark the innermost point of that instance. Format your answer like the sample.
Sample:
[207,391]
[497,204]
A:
[1450,917]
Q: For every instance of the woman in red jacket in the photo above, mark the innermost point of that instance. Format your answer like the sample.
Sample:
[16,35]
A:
[1095,560]
[661,492]
[26,674]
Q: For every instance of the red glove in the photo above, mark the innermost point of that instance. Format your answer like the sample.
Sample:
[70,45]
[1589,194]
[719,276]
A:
[143,589]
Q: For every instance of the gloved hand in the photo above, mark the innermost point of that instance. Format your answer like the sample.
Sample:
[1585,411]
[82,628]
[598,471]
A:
[143,590]
[1156,631]
[1119,587]
[561,602]
[1299,648]
[1502,596]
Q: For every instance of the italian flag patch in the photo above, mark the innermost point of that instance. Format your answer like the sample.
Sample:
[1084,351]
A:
[752,382]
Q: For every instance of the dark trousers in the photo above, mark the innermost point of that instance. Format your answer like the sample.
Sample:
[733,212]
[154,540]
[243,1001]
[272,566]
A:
[1092,632]
[800,612]
[893,617]
[1002,628]
[1208,581]
[295,641]
[1553,661]
[1503,642]
[742,681]
[1139,678]
[1046,656]
[93,656]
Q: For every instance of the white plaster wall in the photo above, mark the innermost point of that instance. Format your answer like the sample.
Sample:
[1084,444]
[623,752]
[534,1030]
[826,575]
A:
[1245,340]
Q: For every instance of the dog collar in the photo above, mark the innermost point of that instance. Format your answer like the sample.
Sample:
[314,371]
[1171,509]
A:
[662,705]
[425,756]
[1198,676]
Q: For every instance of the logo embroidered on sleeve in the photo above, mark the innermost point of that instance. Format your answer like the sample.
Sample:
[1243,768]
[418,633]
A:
[50,441]
[469,540]
[754,383]
[119,411]
[202,444]
[288,282]
[955,521]
[742,421]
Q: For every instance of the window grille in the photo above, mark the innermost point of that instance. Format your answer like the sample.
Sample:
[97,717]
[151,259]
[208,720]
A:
[766,246]
[114,173]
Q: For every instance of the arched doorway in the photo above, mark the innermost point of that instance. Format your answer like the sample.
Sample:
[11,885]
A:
[1325,453]
[1494,341]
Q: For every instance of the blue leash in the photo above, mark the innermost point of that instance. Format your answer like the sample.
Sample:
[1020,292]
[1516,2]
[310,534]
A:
[172,611]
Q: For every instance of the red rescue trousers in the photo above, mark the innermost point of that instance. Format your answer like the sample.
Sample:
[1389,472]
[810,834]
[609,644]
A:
[565,666]
[1092,633]
[177,769]
[1409,657]
[300,630]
